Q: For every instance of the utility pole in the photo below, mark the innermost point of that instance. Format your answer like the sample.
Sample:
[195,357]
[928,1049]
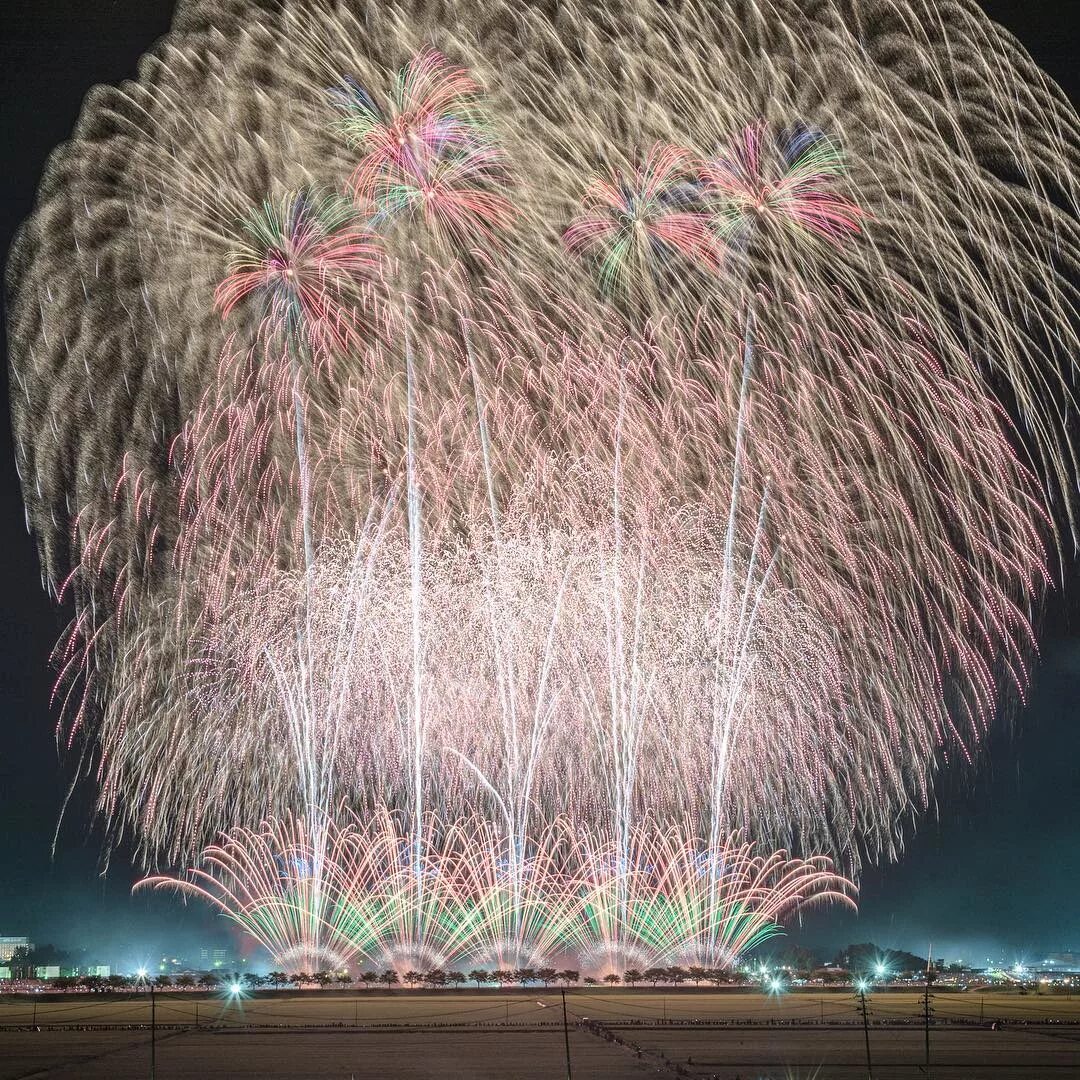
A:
[926,1008]
[153,1032]
[866,1029]
[566,1037]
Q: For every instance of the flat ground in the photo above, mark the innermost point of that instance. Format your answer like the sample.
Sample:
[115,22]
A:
[518,1035]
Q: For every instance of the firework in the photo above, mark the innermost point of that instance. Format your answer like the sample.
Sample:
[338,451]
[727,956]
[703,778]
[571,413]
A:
[788,182]
[328,895]
[630,223]
[432,154]
[492,581]
[429,516]
[305,259]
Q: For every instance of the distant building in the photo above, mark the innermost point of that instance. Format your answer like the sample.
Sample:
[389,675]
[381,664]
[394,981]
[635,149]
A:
[101,970]
[1061,963]
[47,971]
[5,973]
[212,958]
[8,945]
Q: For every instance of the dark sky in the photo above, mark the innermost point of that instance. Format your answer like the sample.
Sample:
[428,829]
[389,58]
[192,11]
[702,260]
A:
[997,872]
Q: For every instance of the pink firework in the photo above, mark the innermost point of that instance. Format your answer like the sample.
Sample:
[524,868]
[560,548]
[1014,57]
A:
[433,104]
[430,153]
[631,224]
[455,191]
[307,259]
[789,180]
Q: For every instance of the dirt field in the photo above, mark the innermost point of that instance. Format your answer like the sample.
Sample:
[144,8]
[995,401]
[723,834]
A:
[496,1035]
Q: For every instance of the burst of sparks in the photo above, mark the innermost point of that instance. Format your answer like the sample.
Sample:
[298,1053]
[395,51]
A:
[629,225]
[431,154]
[788,180]
[319,895]
[531,581]
[306,258]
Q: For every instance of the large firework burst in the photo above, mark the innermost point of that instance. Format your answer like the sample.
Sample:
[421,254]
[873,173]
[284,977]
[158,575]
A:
[797,450]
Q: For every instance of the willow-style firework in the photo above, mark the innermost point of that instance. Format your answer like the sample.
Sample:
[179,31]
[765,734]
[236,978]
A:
[493,500]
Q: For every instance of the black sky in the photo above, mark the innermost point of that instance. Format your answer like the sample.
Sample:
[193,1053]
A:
[997,871]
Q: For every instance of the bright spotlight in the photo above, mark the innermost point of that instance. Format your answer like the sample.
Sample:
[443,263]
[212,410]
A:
[234,988]
[862,986]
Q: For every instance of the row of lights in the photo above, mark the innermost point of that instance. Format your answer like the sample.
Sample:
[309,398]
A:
[234,988]
[775,984]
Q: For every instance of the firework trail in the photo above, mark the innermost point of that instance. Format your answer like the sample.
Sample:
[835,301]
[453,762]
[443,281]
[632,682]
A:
[416,405]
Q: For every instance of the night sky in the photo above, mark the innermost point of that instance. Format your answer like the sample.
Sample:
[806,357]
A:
[995,873]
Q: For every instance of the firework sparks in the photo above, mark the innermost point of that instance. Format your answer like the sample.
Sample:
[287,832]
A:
[306,258]
[629,225]
[432,528]
[787,181]
[433,155]
[682,902]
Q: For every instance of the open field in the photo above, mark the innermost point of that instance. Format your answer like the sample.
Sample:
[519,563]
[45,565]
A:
[535,1006]
[517,1035]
